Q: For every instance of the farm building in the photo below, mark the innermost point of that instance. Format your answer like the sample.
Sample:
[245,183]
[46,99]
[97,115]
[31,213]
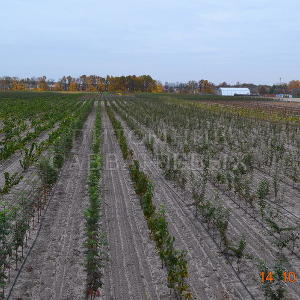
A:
[233,91]
[283,96]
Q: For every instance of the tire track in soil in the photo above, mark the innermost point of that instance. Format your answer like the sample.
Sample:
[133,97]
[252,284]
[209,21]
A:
[133,270]
[209,273]
[54,269]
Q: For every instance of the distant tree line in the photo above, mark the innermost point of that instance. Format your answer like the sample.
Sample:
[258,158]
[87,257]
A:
[92,83]
[133,83]
[206,87]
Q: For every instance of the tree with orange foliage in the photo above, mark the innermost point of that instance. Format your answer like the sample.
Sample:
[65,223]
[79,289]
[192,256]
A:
[73,86]
[294,84]
[206,87]
[18,86]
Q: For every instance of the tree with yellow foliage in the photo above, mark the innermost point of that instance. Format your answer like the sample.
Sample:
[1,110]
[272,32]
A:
[73,86]
[18,86]
[158,88]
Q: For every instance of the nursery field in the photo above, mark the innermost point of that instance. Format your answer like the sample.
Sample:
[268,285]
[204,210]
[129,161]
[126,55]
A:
[230,187]
[271,106]
[147,197]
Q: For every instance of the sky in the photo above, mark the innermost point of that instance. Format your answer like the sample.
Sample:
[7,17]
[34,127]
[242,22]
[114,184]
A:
[175,41]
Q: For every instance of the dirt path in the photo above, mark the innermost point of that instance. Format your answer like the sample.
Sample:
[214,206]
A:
[54,269]
[133,270]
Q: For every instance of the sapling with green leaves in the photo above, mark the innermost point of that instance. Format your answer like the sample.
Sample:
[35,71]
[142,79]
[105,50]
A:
[294,175]
[263,191]
[47,172]
[199,197]
[229,180]
[248,160]
[220,177]
[149,143]
[59,156]
[198,202]
[20,228]
[95,241]
[221,223]
[209,213]
[146,201]
[10,181]
[284,235]
[186,148]
[293,238]
[276,182]
[29,157]
[238,251]
[6,216]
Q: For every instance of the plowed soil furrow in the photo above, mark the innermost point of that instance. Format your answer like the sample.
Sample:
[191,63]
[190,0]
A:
[133,270]
[54,269]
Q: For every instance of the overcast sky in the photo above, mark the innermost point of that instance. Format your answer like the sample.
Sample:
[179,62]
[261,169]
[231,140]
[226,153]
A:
[219,40]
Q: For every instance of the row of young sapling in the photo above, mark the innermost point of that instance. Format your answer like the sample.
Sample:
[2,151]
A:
[18,132]
[172,259]
[19,219]
[234,170]
[224,133]
[95,254]
[31,154]
[216,217]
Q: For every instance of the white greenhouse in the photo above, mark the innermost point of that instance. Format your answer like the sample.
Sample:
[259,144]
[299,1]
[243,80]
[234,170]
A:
[233,91]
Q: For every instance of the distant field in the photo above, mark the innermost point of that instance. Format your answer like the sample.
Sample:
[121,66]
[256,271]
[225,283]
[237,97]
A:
[287,108]
[246,106]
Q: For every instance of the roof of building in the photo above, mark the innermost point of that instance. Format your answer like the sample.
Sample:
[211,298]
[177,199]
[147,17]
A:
[234,88]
